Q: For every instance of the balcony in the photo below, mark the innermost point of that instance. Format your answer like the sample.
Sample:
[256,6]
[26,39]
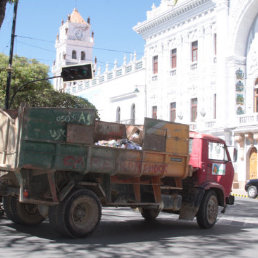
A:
[251,119]
[194,66]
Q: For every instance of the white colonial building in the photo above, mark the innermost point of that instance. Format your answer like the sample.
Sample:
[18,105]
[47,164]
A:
[200,67]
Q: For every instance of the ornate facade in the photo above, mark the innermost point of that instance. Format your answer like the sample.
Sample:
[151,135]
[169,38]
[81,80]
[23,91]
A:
[199,67]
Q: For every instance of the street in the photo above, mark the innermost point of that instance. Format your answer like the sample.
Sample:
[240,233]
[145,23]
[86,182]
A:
[123,233]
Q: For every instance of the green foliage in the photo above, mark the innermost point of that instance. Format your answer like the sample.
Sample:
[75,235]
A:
[35,94]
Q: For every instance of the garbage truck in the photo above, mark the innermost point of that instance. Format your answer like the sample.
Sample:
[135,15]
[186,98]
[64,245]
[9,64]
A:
[58,163]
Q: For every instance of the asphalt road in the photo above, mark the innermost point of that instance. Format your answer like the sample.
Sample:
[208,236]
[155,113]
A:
[123,233]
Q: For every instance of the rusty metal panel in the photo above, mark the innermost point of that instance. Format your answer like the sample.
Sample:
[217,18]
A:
[82,134]
[129,162]
[102,160]
[154,142]
[154,135]
[107,131]
[165,136]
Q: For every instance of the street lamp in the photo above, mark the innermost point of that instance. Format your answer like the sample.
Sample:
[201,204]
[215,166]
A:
[145,96]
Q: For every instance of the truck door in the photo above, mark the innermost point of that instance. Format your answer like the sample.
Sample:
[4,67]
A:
[220,166]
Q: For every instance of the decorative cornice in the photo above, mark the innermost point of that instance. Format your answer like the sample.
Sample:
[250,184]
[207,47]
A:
[123,96]
[168,15]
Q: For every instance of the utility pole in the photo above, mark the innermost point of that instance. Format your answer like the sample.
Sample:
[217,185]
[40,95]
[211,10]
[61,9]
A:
[9,69]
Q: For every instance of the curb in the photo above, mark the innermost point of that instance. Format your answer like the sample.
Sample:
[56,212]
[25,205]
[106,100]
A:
[240,195]
[243,196]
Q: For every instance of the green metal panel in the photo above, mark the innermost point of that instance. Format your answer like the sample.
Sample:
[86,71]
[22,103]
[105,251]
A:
[71,158]
[49,124]
[44,139]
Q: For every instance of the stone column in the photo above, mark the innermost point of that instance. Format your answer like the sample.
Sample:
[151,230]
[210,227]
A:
[240,166]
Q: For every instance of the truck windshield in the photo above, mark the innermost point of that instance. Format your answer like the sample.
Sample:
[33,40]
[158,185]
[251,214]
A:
[217,151]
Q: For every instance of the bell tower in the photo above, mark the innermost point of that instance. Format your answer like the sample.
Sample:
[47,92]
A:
[74,44]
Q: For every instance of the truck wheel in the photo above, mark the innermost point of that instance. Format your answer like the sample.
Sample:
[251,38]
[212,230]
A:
[7,208]
[78,215]
[208,211]
[21,213]
[252,192]
[149,214]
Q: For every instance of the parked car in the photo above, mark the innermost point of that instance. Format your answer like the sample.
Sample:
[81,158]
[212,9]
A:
[251,188]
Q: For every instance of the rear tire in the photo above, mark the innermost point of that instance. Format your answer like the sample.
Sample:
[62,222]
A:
[252,192]
[149,214]
[208,211]
[78,215]
[7,208]
[21,213]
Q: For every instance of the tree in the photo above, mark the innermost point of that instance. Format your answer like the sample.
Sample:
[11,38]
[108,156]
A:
[2,9]
[35,94]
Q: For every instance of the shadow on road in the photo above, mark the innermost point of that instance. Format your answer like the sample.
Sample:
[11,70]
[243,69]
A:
[127,233]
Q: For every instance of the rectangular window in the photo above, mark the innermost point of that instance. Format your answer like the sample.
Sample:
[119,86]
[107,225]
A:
[173,57]
[155,64]
[154,112]
[194,103]
[195,51]
[214,106]
[256,100]
[173,111]
[216,151]
[215,44]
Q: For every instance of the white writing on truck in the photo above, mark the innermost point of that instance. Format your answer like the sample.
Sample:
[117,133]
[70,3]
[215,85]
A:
[80,118]
[56,134]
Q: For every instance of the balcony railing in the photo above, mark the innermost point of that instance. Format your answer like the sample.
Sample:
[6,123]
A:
[248,119]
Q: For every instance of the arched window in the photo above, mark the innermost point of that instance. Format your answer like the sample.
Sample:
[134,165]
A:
[133,114]
[82,55]
[118,115]
[74,55]
[256,96]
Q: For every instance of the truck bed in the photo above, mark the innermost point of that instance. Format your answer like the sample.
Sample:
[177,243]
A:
[55,139]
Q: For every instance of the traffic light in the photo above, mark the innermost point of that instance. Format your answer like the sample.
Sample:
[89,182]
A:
[76,72]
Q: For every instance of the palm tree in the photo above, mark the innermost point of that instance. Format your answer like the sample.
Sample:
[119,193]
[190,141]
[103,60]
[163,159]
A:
[2,9]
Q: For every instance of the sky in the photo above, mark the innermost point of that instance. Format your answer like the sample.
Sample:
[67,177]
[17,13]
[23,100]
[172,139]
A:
[38,23]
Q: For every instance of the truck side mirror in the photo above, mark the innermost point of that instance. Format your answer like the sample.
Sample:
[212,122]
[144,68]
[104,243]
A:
[233,153]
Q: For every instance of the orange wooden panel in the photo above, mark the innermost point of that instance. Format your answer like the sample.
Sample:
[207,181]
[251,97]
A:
[177,138]
[153,164]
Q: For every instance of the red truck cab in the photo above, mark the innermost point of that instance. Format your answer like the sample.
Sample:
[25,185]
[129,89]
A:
[212,165]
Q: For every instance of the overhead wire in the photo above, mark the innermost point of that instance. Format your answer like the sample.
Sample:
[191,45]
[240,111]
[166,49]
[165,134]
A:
[52,42]
[97,48]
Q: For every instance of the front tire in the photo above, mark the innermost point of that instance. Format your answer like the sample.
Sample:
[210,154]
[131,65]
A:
[78,215]
[21,213]
[149,214]
[208,211]
[252,192]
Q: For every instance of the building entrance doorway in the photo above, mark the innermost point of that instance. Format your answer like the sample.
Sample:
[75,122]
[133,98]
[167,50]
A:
[253,164]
